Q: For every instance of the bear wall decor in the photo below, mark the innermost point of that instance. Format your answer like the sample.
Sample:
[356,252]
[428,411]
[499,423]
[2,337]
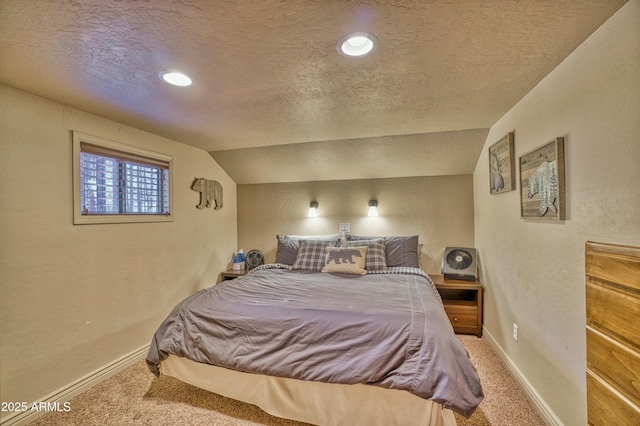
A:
[210,193]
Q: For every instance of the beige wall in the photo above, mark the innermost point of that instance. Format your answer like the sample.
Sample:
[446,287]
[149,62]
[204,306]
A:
[534,271]
[439,209]
[76,298]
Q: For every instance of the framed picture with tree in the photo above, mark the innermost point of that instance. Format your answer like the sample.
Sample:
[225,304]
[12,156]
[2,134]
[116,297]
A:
[542,185]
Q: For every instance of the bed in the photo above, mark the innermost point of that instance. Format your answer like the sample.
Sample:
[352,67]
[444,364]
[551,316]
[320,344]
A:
[338,333]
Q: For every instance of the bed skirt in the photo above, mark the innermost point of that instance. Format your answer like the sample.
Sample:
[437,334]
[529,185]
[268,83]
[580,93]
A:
[312,402]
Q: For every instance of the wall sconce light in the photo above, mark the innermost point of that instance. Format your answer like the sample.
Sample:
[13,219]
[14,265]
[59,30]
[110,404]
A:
[373,208]
[313,209]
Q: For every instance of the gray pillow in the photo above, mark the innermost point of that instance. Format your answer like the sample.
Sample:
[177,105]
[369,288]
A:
[402,251]
[287,250]
[399,250]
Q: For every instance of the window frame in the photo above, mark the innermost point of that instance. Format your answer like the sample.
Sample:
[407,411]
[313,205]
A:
[81,219]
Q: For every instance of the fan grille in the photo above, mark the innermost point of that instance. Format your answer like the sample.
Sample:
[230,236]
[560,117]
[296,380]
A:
[459,259]
[254,258]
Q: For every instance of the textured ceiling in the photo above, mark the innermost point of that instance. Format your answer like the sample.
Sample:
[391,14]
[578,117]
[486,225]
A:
[266,73]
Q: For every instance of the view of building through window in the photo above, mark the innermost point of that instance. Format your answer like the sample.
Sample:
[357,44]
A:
[118,183]
[116,186]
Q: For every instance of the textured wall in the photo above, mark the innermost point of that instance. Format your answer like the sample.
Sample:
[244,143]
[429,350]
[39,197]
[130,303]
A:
[534,271]
[76,298]
[439,209]
[430,154]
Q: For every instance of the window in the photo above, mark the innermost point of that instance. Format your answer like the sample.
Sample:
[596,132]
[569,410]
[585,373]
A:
[115,183]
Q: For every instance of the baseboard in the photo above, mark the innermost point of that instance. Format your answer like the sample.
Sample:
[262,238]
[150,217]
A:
[543,409]
[76,387]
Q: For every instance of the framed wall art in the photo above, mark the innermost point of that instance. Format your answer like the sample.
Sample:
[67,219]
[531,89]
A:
[542,186]
[502,166]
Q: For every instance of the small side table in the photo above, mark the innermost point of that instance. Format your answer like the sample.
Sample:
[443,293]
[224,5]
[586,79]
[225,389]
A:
[231,274]
[462,302]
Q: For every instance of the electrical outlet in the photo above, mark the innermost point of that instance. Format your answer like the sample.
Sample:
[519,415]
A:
[515,331]
[344,227]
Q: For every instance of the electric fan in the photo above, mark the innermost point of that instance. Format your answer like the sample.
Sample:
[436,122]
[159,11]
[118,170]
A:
[460,263]
[254,258]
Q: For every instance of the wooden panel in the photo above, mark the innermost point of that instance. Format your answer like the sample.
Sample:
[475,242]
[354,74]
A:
[613,334]
[462,306]
[616,264]
[611,309]
[620,365]
[607,407]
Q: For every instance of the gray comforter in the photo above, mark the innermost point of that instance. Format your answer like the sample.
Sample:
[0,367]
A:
[386,330]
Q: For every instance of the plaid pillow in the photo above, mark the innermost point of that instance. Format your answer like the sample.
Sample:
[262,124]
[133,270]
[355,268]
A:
[288,245]
[375,258]
[311,255]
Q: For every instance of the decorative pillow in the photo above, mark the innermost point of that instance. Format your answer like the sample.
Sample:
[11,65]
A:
[347,260]
[375,260]
[399,250]
[402,251]
[287,250]
[311,255]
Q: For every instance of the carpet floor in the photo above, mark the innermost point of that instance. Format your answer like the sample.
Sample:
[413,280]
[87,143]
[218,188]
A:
[135,397]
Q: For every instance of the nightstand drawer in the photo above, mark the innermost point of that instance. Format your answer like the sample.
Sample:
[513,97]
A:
[462,319]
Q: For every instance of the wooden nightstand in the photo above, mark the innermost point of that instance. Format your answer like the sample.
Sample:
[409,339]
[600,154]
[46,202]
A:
[462,302]
[231,274]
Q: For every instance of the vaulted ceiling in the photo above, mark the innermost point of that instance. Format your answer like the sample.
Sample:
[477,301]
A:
[273,101]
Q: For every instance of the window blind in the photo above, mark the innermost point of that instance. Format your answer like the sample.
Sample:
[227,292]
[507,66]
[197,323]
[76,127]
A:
[114,182]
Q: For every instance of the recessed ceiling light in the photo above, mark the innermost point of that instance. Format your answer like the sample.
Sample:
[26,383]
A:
[357,44]
[175,78]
